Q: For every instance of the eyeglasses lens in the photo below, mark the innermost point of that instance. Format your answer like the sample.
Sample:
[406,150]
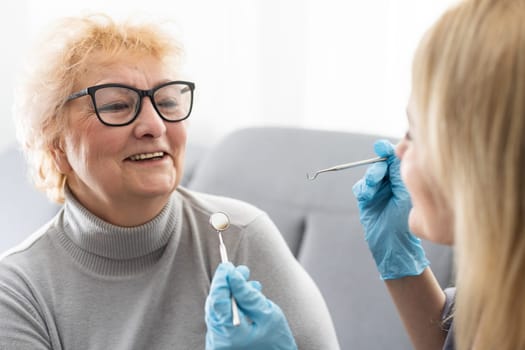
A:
[173,101]
[116,105]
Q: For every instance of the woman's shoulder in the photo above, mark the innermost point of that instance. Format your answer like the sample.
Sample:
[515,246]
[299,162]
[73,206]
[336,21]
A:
[448,318]
[23,272]
[25,259]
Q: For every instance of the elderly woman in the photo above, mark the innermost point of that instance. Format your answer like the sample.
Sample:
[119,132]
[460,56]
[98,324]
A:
[128,261]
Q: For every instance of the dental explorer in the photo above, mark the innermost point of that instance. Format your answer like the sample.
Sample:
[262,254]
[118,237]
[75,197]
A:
[345,166]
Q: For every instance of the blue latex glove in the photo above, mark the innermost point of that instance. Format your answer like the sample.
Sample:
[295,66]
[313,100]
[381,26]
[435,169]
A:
[384,204]
[263,324]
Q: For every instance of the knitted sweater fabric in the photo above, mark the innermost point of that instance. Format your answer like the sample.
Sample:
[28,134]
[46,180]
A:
[82,283]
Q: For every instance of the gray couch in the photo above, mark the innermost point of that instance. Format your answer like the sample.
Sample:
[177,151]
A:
[319,219]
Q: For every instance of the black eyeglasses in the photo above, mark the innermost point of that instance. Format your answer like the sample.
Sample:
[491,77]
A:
[119,105]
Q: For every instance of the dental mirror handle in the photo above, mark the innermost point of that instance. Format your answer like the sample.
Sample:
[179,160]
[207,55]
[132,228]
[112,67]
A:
[224,258]
[220,222]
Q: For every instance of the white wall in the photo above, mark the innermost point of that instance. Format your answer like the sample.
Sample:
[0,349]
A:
[331,64]
[13,33]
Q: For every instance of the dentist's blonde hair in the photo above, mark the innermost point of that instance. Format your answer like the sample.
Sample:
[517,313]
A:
[469,93]
[58,64]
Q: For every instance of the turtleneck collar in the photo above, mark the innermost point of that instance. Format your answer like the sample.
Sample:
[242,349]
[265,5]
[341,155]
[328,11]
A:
[111,249]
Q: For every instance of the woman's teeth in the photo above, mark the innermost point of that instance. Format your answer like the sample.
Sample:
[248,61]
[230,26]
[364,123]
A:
[144,156]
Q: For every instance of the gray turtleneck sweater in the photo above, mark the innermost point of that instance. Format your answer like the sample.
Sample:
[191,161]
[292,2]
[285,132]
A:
[82,283]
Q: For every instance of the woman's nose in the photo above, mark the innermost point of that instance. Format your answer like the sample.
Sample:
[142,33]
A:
[149,123]
[401,148]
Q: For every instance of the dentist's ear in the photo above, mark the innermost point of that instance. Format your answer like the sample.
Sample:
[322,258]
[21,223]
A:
[58,152]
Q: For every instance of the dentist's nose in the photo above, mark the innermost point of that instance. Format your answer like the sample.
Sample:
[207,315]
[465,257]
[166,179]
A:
[400,148]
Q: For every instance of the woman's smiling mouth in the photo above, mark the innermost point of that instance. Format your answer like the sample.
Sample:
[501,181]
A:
[147,156]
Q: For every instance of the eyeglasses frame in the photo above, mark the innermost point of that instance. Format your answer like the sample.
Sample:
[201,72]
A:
[142,93]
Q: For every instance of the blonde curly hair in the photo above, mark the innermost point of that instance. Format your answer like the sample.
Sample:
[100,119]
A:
[58,64]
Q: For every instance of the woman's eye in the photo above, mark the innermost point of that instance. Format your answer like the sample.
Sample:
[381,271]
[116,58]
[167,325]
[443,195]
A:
[408,137]
[168,104]
[113,107]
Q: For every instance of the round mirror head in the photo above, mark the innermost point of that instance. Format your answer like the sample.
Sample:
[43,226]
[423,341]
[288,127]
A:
[219,221]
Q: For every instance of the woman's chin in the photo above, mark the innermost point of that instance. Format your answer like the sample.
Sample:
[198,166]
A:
[417,226]
[156,188]
[435,234]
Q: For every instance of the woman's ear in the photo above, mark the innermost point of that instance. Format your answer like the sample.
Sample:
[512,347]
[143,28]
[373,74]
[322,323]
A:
[59,154]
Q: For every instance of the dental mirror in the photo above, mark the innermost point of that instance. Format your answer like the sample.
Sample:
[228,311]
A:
[219,221]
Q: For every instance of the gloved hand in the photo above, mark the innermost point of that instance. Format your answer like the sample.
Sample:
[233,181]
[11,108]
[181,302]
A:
[384,204]
[263,324]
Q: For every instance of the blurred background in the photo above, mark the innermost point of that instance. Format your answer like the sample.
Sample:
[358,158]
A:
[327,64]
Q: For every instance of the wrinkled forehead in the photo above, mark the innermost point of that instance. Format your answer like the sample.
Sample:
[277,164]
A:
[100,67]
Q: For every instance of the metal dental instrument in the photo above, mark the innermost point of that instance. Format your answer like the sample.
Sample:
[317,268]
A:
[220,222]
[345,166]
